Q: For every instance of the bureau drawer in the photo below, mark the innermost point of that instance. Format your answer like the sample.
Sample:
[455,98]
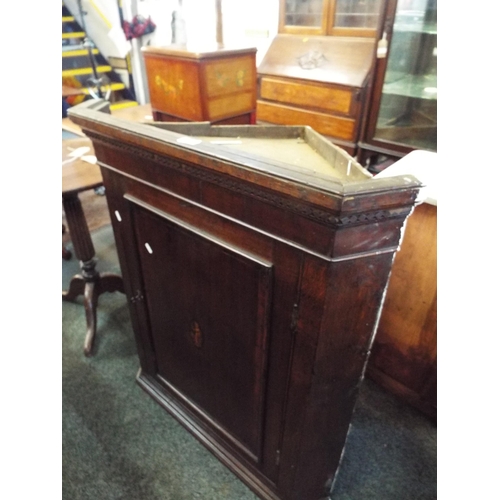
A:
[306,94]
[333,126]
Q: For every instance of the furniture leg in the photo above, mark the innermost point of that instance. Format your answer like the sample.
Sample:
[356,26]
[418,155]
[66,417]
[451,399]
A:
[66,254]
[90,283]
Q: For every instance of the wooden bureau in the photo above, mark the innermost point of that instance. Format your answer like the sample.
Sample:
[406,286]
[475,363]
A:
[255,261]
[317,81]
[216,85]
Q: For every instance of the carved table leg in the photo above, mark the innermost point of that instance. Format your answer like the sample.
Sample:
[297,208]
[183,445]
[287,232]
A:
[66,254]
[89,283]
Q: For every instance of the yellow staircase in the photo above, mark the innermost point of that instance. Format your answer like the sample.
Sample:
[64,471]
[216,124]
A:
[79,71]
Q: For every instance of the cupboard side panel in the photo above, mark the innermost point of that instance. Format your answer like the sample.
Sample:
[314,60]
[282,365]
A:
[353,303]
[305,327]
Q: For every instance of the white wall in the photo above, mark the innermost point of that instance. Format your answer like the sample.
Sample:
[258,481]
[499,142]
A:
[246,23]
[251,23]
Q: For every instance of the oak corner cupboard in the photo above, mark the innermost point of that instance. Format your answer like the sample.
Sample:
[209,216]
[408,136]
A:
[402,110]
[255,260]
[317,68]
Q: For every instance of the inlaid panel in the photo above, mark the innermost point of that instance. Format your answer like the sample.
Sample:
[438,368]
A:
[225,76]
[173,87]
[209,306]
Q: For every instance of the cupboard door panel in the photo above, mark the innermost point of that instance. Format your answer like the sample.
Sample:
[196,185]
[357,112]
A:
[210,347]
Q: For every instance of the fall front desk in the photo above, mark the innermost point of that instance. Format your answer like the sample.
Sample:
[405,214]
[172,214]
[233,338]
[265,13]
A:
[255,261]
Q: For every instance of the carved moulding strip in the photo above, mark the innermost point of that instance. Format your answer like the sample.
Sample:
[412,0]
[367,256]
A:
[239,186]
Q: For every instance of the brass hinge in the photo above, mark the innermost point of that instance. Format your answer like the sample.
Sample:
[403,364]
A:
[295,317]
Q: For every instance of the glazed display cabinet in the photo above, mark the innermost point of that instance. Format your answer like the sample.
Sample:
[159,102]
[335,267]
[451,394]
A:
[402,111]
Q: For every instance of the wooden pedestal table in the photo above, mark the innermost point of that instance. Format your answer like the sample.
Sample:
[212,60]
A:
[79,175]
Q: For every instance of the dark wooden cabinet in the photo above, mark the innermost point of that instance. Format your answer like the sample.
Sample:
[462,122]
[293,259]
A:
[189,84]
[255,261]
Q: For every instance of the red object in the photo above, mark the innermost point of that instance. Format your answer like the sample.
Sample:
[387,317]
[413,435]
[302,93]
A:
[138,27]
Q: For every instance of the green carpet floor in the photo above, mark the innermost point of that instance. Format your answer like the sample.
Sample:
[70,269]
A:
[118,444]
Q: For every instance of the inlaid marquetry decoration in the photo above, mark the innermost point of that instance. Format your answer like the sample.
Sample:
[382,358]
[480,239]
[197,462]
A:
[240,78]
[196,335]
[223,79]
[170,90]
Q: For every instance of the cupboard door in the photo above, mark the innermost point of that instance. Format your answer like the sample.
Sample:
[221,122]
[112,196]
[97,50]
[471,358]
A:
[305,16]
[331,17]
[209,305]
[356,17]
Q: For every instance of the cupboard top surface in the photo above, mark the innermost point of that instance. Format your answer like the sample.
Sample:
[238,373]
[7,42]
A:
[336,60]
[295,150]
[270,166]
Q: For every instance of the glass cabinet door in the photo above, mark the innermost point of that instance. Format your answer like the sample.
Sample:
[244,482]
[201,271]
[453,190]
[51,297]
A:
[361,16]
[303,16]
[304,13]
[331,17]
[408,105]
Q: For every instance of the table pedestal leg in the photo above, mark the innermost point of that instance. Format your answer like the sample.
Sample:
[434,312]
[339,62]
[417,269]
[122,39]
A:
[90,283]
[66,254]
